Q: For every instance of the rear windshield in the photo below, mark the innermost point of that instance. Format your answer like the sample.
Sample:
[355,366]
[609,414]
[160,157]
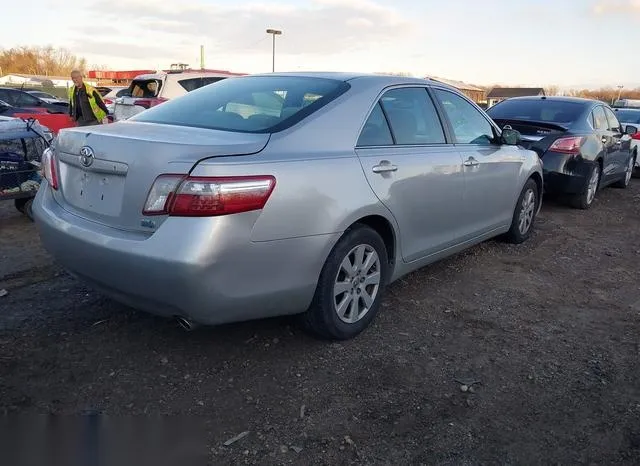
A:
[252,104]
[145,88]
[549,111]
[628,116]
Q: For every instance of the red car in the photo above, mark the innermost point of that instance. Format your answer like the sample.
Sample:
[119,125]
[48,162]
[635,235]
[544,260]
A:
[54,121]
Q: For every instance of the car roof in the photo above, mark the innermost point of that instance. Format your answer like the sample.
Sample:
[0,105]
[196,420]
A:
[559,98]
[384,79]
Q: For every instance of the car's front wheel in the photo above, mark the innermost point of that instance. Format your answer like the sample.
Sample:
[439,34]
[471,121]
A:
[350,286]
[587,196]
[524,214]
[628,173]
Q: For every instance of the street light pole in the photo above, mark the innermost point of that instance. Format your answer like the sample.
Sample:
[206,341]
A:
[274,33]
[619,91]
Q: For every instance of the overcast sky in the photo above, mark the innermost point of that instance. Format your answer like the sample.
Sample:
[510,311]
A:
[526,42]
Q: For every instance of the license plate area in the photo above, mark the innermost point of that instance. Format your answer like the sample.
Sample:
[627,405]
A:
[93,191]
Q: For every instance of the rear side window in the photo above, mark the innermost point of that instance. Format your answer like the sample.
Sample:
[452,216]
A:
[548,111]
[255,104]
[376,130]
[192,84]
[614,124]
[145,88]
[599,118]
[412,117]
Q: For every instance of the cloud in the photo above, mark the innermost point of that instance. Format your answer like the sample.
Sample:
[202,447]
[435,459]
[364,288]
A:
[318,27]
[616,7]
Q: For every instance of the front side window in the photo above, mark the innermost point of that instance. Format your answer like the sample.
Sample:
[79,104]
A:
[469,125]
[253,104]
[412,117]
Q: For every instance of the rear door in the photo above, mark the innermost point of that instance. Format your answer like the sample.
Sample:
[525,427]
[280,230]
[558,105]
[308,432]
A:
[601,124]
[621,146]
[491,169]
[412,169]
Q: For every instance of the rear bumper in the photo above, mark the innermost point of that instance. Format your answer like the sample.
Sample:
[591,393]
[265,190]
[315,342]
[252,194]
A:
[564,174]
[205,269]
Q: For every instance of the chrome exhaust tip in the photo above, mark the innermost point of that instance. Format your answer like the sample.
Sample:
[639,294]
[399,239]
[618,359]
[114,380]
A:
[186,324]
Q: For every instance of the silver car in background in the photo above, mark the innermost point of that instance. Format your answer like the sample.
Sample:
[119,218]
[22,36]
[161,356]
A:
[293,193]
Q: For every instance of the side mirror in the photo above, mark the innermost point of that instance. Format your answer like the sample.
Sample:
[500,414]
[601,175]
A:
[510,136]
[630,130]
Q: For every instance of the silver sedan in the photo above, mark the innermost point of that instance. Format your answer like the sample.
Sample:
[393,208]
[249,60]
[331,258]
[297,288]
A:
[293,193]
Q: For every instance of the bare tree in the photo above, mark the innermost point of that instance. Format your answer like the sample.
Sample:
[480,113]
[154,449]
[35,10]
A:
[47,61]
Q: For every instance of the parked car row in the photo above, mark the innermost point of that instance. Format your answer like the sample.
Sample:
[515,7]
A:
[309,193]
[581,142]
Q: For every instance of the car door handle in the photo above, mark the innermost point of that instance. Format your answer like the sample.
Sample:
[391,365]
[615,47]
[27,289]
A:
[384,167]
[470,162]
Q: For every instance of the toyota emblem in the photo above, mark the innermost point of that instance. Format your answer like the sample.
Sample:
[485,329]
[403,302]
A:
[86,156]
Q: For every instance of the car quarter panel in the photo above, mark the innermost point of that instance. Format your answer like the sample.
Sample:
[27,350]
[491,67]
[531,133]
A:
[212,272]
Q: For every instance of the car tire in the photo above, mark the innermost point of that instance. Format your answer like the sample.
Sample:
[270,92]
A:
[28,209]
[20,203]
[584,200]
[628,173]
[334,314]
[524,215]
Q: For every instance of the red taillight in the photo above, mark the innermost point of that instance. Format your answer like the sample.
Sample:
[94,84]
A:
[182,196]
[636,136]
[570,145]
[48,164]
[108,101]
[148,103]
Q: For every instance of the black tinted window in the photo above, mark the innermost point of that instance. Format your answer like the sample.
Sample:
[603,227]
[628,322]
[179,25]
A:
[614,124]
[550,111]
[26,100]
[376,130]
[469,124]
[412,116]
[195,83]
[247,104]
[629,116]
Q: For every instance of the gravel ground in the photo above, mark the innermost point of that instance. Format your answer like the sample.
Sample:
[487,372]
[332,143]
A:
[550,330]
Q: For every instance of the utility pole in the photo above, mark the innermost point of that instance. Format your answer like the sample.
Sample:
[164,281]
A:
[202,57]
[274,33]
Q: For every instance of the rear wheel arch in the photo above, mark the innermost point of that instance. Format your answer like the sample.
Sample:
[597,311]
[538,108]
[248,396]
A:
[385,229]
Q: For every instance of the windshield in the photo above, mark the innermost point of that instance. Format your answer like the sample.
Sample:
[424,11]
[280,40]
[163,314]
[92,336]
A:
[256,104]
[628,116]
[550,111]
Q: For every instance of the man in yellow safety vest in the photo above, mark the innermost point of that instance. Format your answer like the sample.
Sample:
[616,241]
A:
[86,106]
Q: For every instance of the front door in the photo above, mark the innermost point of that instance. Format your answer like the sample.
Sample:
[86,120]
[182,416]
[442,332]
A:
[491,169]
[413,171]
[620,145]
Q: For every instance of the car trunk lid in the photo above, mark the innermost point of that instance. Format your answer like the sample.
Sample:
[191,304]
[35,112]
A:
[106,171]
[536,135]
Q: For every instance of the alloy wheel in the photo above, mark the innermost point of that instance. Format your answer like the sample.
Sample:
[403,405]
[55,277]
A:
[593,184]
[527,211]
[627,176]
[357,283]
